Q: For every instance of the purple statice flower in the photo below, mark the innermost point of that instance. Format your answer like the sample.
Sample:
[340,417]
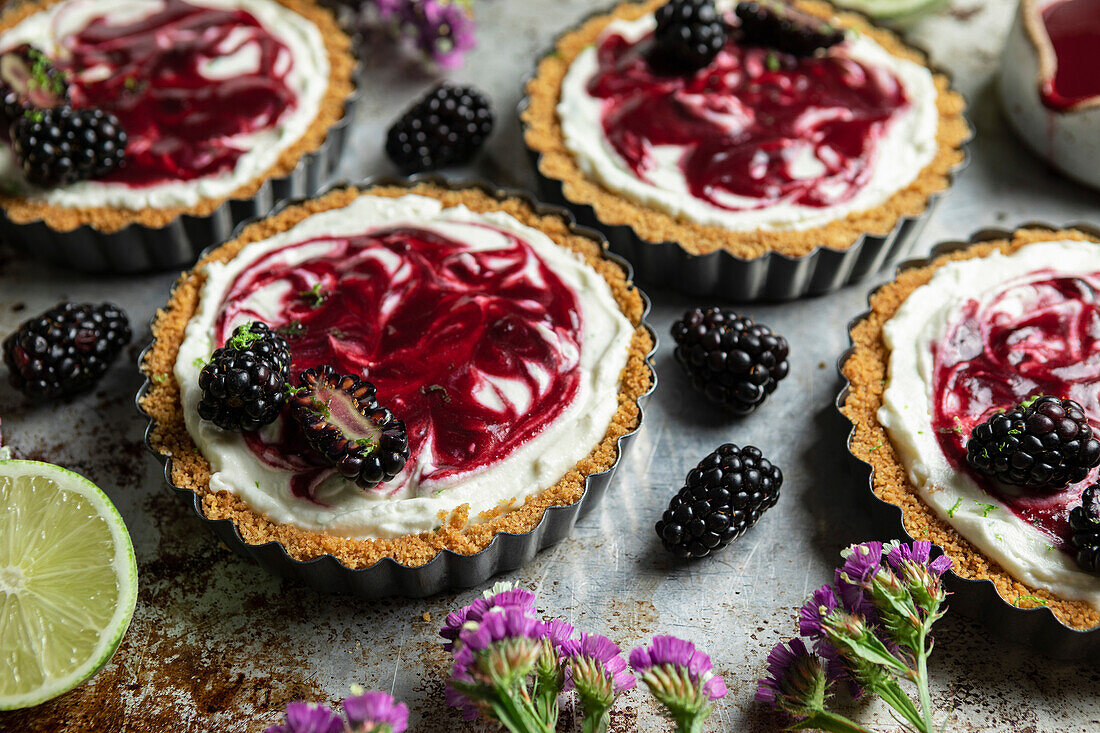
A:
[493,658]
[499,597]
[679,676]
[796,681]
[375,712]
[921,576]
[595,667]
[812,617]
[441,30]
[862,562]
[308,717]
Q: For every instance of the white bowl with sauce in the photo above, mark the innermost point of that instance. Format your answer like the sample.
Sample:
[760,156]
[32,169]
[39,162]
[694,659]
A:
[1050,83]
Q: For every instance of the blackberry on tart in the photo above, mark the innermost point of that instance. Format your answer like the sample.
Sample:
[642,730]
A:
[343,421]
[62,145]
[244,384]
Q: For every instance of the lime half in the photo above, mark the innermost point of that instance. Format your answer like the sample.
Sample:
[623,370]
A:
[68,581]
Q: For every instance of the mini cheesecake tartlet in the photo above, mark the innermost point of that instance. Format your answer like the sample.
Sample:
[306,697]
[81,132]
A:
[500,338]
[974,389]
[783,144]
[218,103]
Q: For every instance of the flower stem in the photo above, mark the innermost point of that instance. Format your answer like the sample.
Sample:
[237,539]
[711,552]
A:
[596,721]
[922,681]
[832,722]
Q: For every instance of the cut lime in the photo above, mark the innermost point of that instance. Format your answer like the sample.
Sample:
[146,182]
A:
[892,10]
[68,581]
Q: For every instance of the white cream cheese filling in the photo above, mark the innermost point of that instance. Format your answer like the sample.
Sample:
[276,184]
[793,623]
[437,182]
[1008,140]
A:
[308,79]
[906,147]
[505,483]
[921,323]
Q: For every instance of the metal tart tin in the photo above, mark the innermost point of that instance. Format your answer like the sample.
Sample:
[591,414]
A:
[772,277]
[138,249]
[1037,628]
[448,570]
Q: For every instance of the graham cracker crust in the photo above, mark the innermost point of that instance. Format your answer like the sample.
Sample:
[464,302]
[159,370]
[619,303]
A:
[189,469]
[866,372]
[544,136]
[109,219]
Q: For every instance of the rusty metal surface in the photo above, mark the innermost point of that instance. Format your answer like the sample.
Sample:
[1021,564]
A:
[217,645]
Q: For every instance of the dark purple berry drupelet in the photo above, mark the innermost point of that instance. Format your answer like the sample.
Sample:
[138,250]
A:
[343,422]
[689,35]
[447,127]
[731,359]
[779,26]
[244,383]
[722,497]
[1045,443]
[65,350]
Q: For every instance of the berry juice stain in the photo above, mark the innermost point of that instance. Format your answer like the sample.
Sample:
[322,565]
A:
[754,124]
[476,350]
[997,354]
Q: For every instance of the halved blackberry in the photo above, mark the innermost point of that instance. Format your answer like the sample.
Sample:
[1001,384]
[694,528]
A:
[65,350]
[689,34]
[446,127]
[1045,443]
[722,497]
[1084,520]
[342,420]
[29,80]
[779,26]
[62,145]
[244,384]
[731,359]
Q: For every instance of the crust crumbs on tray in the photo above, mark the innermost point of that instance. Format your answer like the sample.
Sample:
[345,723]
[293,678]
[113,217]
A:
[543,135]
[190,469]
[866,370]
[112,219]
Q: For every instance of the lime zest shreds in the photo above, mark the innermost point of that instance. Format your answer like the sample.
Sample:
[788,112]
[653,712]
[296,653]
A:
[68,581]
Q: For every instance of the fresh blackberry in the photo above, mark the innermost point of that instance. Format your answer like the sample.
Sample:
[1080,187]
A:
[689,34]
[28,80]
[1044,443]
[1085,523]
[244,383]
[731,359]
[62,145]
[779,26]
[65,350]
[343,422]
[444,128]
[257,338]
[722,497]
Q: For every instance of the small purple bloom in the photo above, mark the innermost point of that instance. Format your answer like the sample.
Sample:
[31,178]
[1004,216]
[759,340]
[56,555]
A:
[862,562]
[811,619]
[501,596]
[605,658]
[557,632]
[918,554]
[369,711]
[673,652]
[796,679]
[308,717]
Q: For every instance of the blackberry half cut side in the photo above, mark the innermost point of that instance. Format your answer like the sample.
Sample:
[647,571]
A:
[777,25]
[343,422]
